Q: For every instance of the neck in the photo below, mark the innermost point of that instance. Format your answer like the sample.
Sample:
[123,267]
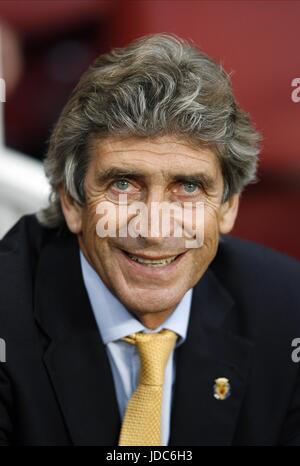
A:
[154,320]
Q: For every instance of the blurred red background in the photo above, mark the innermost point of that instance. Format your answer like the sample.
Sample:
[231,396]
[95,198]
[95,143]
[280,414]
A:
[48,44]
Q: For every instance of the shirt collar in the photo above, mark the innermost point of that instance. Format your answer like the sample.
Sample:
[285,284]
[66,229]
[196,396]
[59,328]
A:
[115,321]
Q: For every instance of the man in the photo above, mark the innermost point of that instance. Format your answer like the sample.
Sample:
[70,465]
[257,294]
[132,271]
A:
[148,338]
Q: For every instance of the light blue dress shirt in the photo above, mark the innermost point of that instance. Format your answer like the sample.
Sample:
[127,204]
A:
[115,322]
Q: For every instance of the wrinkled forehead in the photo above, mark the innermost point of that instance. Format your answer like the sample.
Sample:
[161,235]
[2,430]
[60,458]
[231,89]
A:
[168,155]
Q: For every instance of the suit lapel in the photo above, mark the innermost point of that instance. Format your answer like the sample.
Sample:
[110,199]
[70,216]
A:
[75,356]
[209,352]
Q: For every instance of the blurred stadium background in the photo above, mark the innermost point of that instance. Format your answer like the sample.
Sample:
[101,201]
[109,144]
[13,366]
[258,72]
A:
[46,46]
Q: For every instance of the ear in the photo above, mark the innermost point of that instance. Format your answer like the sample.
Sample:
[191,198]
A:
[72,211]
[228,214]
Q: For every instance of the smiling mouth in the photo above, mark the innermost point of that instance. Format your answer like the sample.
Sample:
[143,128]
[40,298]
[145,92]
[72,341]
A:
[159,262]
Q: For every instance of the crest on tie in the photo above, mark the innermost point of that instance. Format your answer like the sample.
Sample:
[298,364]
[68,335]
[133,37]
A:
[221,388]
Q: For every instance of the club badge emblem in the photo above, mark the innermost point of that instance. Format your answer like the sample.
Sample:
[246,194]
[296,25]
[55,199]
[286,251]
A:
[221,388]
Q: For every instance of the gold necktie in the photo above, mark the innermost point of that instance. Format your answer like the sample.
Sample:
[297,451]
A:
[142,420]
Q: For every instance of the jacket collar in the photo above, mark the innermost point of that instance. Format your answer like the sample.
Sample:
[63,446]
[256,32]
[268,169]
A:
[75,356]
[210,352]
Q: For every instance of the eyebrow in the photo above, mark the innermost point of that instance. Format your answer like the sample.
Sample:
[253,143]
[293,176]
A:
[201,178]
[115,172]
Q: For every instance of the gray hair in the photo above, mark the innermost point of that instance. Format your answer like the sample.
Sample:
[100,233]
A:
[157,85]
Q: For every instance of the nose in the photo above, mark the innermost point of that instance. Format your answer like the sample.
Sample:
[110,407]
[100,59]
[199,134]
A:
[155,198]
[160,218]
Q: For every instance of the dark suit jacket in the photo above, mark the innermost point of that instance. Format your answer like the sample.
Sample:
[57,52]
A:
[56,386]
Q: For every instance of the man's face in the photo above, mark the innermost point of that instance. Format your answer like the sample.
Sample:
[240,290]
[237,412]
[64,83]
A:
[156,170]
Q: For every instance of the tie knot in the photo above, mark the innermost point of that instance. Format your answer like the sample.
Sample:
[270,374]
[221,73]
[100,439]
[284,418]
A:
[154,350]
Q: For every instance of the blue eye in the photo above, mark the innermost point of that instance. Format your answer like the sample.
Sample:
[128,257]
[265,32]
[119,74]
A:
[122,185]
[190,187]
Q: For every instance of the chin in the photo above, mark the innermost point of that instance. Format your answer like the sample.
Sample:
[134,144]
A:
[151,301]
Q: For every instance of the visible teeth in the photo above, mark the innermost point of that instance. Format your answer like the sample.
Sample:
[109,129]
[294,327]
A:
[153,262]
